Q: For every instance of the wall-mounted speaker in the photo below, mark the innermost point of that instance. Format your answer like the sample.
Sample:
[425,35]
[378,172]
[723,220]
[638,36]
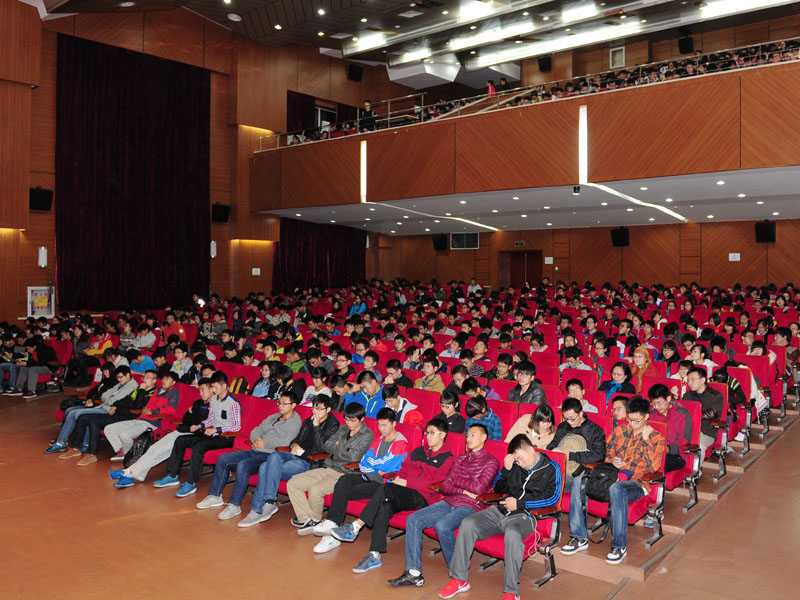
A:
[440,242]
[40,199]
[765,232]
[621,237]
[220,213]
[545,63]
[355,72]
[686,45]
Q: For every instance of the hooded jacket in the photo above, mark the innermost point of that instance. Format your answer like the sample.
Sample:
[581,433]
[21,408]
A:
[474,472]
[424,467]
[535,488]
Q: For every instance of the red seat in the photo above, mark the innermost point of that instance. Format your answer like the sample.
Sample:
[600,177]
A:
[587,378]
[508,412]
[502,387]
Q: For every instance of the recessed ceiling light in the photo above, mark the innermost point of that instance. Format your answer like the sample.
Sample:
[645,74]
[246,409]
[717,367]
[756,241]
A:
[568,29]
[392,231]
[759,202]
[545,18]
[321,11]
[472,51]
[709,216]
[651,219]
[436,221]
[363,19]
[549,224]
[643,21]
[320,33]
[367,219]
[643,188]
[623,16]
[129,4]
[399,223]
[333,221]
[525,14]
[298,214]
[397,26]
[473,27]
[742,195]
[444,12]
[546,207]
[355,39]
[518,42]
[668,200]
[720,182]
[515,197]
[405,216]
[604,204]
[462,201]
[278,26]
[629,209]
[524,216]
[234,17]
[371,210]
[494,210]
[448,214]
[426,229]
[775,214]
[691,206]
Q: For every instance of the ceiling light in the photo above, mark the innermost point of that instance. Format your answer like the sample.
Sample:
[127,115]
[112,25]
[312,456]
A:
[515,197]
[225,1]
[651,219]
[711,10]
[568,29]
[444,12]
[579,13]
[298,214]
[472,51]
[643,188]
[392,231]
[448,214]
[525,14]
[668,200]
[321,11]
[518,41]
[494,210]
[473,27]
[332,221]
[355,39]
[604,204]
[426,229]
[623,16]
[742,196]
[462,201]
[549,224]
[709,216]
[524,216]
[364,19]
[321,33]
[234,17]
[643,21]
[775,214]
[278,26]
[546,207]
[629,209]
[759,202]
[371,210]
[367,219]
[399,223]
[397,26]
[720,182]
[436,221]
[129,4]
[405,216]
[545,18]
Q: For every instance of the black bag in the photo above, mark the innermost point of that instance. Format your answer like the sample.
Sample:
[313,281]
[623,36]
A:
[71,401]
[600,480]
[140,446]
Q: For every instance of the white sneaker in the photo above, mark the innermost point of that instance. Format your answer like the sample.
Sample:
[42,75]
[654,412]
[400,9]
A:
[118,458]
[326,544]
[210,502]
[325,528]
[230,511]
[739,437]
[270,508]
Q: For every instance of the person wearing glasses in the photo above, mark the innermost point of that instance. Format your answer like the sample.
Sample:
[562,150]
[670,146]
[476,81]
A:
[276,430]
[711,403]
[343,366]
[636,449]
[450,405]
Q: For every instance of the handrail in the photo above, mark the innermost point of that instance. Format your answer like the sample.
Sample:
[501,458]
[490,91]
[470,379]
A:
[653,72]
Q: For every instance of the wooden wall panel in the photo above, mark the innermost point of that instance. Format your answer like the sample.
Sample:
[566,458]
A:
[591,61]
[259,82]
[668,132]
[561,264]
[720,239]
[784,28]
[20,43]
[752,33]
[247,224]
[721,39]
[483,160]
[217,47]
[221,135]
[637,53]
[769,132]
[222,271]
[342,89]
[690,236]
[564,65]
[455,264]
[9,291]
[377,86]
[389,257]
[419,258]
[313,72]
[43,109]
[60,25]
[175,35]
[782,255]
[265,181]
[661,50]
[302,167]
[15,155]
[653,256]
[592,257]
[254,254]
[411,162]
[40,232]
[124,29]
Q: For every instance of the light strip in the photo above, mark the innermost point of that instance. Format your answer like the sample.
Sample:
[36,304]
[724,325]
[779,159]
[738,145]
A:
[583,146]
[587,11]
[463,220]
[494,35]
[712,10]
[633,200]
[363,188]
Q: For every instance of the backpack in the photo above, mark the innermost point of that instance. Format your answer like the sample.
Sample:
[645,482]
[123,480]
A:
[140,445]
[239,385]
[600,480]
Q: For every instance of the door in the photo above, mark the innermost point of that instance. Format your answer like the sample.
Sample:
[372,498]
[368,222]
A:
[519,268]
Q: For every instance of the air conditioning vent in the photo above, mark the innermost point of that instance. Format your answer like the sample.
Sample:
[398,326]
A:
[464,241]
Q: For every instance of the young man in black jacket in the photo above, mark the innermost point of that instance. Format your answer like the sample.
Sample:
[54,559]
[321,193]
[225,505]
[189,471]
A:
[529,480]
[39,357]
[281,466]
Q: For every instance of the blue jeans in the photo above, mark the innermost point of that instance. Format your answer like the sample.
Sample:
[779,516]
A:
[12,369]
[621,494]
[281,466]
[445,519]
[246,463]
[70,416]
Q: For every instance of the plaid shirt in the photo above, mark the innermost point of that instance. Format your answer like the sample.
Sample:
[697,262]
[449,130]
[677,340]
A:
[639,455]
[492,423]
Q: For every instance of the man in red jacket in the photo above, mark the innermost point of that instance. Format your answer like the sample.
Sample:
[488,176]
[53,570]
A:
[408,491]
[471,475]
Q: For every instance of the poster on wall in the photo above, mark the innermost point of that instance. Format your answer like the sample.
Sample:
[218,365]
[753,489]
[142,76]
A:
[41,301]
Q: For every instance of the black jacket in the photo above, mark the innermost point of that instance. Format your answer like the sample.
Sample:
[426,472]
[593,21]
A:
[311,438]
[194,416]
[595,441]
[136,401]
[44,355]
[536,488]
[534,395]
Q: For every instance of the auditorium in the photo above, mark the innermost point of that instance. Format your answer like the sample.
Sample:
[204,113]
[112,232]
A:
[403,298]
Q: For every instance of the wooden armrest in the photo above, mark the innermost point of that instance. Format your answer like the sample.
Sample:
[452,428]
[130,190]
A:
[230,434]
[719,424]
[690,448]
[590,466]
[135,411]
[248,442]
[541,512]
[320,456]
[490,497]
[652,476]
[352,465]
[282,449]
[389,475]
[436,486]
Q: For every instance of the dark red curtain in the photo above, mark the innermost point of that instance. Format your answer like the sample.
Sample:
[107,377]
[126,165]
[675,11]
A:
[312,254]
[301,112]
[132,178]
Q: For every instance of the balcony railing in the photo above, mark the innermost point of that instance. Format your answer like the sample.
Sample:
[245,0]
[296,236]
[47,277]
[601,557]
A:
[412,109]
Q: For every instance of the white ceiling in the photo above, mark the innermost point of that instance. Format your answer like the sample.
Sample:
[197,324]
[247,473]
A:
[693,196]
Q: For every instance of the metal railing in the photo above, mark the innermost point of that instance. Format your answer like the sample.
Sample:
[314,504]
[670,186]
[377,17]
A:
[406,110]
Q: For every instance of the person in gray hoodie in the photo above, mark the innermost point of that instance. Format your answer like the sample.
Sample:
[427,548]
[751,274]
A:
[276,430]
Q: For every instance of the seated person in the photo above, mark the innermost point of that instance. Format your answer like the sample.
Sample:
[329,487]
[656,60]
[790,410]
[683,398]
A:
[371,360]
[467,358]
[530,480]
[450,404]
[711,403]
[456,344]
[538,426]
[620,381]
[278,429]
[319,379]
[405,411]
[295,359]
[637,449]
[619,409]
[502,370]
[470,475]
[478,411]
[575,390]
[459,374]
[163,402]
[230,354]
[527,390]
[678,421]
[315,359]
[307,490]
[472,387]
[572,360]
[575,422]
[224,416]
[367,392]
[395,375]
[699,356]
[40,357]
[430,380]
[139,362]
[160,361]
[145,338]
[266,385]
[183,363]
[282,466]
[679,390]
[343,364]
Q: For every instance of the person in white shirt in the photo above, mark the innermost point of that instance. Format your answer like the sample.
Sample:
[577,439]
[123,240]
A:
[319,378]
[474,287]
[575,390]
[698,355]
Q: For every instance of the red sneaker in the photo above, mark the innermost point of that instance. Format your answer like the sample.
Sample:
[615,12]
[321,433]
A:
[453,587]
[507,596]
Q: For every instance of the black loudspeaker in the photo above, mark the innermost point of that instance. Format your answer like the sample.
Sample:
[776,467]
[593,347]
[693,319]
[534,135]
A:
[765,232]
[40,199]
[440,242]
[220,213]
[545,63]
[354,72]
[621,237]
[686,45]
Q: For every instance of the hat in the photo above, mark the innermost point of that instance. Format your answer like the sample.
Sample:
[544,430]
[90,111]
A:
[572,442]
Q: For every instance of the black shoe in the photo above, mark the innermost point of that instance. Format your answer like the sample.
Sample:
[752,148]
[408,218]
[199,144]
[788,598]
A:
[407,579]
[297,523]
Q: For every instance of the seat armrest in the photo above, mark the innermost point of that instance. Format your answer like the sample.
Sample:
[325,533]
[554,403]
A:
[436,486]
[135,411]
[490,497]
[543,511]
[282,449]
[653,476]
[389,475]
[690,448]
[230,434]
[320,456]
[719,424]
[176,421]
[352,466]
